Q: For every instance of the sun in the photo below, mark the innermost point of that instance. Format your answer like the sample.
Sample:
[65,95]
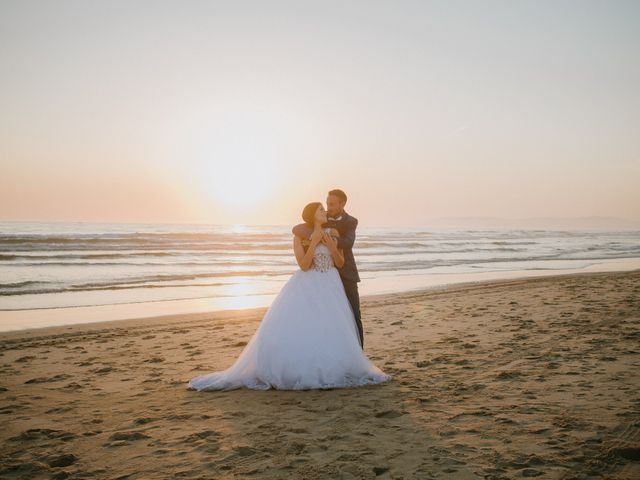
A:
[242,184]
[241,170]
[239,161]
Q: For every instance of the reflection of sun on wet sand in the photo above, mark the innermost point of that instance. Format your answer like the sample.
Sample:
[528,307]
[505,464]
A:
[513,378]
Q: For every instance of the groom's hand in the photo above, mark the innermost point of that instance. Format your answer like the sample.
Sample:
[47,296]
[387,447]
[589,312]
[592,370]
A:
[302,230]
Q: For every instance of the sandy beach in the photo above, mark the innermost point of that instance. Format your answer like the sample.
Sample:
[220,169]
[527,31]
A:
[495,380]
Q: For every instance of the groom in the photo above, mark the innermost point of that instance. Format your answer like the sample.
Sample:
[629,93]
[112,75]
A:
[346,225]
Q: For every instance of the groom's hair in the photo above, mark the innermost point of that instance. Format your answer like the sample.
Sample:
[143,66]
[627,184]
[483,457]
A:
[309,213]
[340,194]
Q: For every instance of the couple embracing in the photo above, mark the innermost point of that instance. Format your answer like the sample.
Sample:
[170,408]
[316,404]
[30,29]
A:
[311,336]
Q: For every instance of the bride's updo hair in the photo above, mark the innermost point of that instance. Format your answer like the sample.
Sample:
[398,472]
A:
[309,213]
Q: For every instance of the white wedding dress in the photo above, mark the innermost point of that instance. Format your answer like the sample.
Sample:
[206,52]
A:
[307,339]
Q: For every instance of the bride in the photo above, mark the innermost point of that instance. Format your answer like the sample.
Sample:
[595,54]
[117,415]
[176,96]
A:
[308,338]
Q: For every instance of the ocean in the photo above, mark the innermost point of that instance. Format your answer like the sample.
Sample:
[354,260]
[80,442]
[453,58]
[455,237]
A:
[46,266]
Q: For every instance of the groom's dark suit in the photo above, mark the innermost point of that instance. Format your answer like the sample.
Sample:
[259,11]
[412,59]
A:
[346,227]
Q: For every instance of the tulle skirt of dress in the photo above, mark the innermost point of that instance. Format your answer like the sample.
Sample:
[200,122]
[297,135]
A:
[306,340]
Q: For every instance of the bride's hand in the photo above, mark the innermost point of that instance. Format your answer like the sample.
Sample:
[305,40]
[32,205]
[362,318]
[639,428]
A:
[328,241]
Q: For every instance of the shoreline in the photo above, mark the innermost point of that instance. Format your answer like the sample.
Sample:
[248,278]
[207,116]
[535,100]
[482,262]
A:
[250,314]
[74,304]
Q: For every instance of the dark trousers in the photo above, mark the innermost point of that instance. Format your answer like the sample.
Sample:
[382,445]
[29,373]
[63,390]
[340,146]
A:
[351,289]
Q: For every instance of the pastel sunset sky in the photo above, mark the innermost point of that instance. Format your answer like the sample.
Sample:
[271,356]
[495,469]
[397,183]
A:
[242,112]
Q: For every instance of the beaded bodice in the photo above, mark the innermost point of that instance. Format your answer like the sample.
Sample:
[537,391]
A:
[322,259]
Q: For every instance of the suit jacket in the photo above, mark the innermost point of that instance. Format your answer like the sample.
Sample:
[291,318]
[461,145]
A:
[346,227]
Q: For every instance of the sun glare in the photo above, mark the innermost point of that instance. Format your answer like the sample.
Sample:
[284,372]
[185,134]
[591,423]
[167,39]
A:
[241,185]
[240,162]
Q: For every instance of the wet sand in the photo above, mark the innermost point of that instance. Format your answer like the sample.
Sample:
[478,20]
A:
[495,380]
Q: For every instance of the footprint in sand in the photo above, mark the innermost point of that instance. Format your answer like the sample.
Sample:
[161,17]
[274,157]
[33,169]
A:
[13,408]
[60,410]
[180,416]
[389,414]
[71,387]
[509,375]
[103,370]
[28,469]
[120,439]
[144,420]
[154,360]
[43,433]
[205,434]
[26,358]
[56,378]
[63,460]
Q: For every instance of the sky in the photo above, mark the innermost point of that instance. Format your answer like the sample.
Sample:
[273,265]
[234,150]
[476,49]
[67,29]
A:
[242,112]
